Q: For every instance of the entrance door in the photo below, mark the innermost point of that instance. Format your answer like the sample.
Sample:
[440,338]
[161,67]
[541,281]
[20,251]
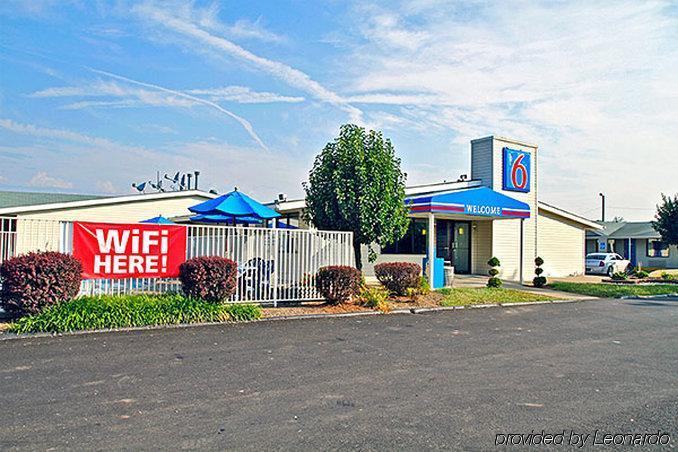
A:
[444,240]
[461,247]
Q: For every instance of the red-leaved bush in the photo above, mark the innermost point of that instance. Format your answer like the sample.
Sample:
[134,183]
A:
[338,283]
[36,280]
[209,278]
[397,277]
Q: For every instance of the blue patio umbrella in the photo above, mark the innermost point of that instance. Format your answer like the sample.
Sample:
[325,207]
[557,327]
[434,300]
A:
[223,219]
[158,220]
[235,205]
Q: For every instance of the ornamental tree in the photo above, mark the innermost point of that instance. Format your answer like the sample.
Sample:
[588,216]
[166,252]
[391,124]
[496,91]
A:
[356,185]
[666,219]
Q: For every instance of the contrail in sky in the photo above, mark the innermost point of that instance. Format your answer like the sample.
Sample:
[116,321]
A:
[243,122]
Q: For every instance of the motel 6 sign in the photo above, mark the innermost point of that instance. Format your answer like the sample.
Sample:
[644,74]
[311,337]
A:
[516,170]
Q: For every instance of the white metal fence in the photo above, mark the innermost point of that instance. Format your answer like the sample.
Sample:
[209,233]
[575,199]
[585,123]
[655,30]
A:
[274,265]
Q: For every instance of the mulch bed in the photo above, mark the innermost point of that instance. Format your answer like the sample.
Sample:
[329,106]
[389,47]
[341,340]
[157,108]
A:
[318,307]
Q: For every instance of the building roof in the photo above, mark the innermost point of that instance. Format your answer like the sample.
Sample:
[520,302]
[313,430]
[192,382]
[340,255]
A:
[26,198]
[99,201]
[569,215]
[626,230]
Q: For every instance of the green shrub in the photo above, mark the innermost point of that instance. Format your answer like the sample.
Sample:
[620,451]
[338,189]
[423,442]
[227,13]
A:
[641,274]
[397,277]
[338,283]
[493,272]
[243,312]
[424,288]
[105,312]
[494,262]
[666,276]
[34,281]
[619,276]
[374,297]
[209,278]
[539,280]
[494,282]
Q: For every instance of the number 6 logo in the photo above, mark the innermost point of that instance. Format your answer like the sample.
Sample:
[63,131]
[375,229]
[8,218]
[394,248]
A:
[518,166]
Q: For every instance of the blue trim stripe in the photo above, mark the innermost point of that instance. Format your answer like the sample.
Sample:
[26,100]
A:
[481,201]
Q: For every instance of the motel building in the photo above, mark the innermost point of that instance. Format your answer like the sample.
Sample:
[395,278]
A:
[497,212]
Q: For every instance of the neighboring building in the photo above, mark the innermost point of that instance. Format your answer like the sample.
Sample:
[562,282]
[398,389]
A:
[638,242]
[495,213]
[36,207]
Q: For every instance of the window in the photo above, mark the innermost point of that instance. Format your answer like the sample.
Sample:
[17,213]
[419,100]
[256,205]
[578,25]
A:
[413,242]
[657,248]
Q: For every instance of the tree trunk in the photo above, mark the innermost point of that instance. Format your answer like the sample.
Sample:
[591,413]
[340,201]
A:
[358,256]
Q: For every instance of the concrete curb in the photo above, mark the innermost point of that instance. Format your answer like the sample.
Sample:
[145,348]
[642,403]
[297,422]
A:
[644,297]
[12,336]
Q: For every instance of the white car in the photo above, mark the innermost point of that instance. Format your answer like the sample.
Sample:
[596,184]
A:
[606,263]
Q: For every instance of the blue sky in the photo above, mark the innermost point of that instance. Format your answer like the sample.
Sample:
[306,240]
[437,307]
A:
[96,95]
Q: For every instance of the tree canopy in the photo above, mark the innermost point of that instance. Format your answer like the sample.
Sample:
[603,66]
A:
[666,219]
[356,184]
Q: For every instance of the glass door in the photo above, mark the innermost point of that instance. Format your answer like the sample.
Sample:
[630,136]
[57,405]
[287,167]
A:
[444,240]
[461,247]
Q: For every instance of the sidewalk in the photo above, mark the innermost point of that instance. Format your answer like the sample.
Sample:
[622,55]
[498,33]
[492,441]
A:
[475,281]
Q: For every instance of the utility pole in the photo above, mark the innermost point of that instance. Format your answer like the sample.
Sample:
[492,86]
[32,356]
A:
[602,207]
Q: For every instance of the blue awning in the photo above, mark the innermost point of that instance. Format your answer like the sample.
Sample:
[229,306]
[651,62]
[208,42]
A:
[480,201]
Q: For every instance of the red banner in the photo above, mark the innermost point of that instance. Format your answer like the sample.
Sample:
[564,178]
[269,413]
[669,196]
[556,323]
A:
[129,250]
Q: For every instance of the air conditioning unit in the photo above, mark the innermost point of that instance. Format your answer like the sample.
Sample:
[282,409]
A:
[282,197]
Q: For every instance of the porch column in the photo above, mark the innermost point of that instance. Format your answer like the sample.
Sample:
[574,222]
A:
[431,246]
[522,248]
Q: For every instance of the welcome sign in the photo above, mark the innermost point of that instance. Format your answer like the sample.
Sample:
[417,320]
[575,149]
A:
[129,250]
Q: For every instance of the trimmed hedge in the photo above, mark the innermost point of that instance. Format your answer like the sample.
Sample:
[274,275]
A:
[209,278]
[338,283]
[397,277]
[33,281]
[105,312]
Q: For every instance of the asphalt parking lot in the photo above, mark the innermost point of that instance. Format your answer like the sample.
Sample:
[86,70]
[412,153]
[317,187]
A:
[427,381]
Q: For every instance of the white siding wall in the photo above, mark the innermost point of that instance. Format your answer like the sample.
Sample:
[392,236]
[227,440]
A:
[129,212]
[481,246]
[561,245]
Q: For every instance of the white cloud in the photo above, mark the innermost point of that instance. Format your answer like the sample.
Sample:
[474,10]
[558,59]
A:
[106,186]
[42,179]
[194,28]
[244,95]
[137,96]
[592,83]
[246,29]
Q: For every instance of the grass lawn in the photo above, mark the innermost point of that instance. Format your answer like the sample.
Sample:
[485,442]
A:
[104,312]
[484,295]
[614,290]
